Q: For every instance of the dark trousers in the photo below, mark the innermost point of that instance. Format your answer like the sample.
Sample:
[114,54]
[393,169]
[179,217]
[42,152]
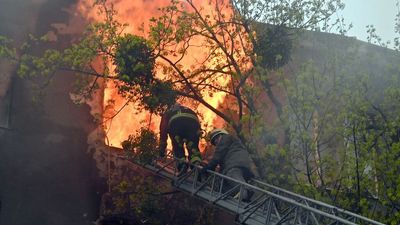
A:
[237,174]
[185,132]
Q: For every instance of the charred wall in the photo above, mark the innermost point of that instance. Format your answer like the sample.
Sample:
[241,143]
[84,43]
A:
[47,175]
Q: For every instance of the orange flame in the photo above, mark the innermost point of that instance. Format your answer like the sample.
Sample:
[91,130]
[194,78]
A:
[126,119]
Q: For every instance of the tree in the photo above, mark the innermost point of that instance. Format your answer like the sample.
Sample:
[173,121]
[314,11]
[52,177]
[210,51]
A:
[228,35]
[343,111]
[242,42]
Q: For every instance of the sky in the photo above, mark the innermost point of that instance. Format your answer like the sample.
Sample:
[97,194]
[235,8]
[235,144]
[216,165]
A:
[380,13]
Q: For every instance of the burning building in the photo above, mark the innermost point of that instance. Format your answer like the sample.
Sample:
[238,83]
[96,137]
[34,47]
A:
[119,117]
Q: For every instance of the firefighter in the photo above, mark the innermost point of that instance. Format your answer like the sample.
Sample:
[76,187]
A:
[183,127]
[233,159]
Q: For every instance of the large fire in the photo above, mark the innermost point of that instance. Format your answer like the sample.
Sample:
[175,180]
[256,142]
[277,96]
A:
[120,119]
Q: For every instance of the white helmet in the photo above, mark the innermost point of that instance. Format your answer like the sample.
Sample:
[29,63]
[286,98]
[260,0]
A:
[214,133]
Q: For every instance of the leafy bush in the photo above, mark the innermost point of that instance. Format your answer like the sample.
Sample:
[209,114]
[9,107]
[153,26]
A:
[141,147]
[134,60]
[159,96]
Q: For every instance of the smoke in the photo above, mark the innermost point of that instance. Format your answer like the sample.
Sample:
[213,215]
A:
[15,28]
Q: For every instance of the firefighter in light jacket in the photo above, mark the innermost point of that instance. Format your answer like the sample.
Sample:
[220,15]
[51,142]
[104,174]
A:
[232,157]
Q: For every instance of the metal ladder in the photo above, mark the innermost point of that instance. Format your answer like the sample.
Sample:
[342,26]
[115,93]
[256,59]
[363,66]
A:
[268,205]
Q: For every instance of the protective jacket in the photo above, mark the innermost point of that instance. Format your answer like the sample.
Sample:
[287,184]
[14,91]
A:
[183,127]
[230,153]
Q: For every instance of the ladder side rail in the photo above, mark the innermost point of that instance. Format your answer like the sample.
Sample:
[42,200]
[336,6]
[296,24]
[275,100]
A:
[319,203]
[171,175]
[322,204]
[218,197]
[162,173]
[277,196]
[284,199]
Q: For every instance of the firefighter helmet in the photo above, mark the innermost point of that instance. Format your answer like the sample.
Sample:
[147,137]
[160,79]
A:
[215,133]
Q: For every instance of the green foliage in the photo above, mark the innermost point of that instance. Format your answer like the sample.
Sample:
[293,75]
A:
[346,153]
[159,96]
[225,41]
[373,36]
[101,43]
[6,49]
[139,198]
[134,60]
[141,147]
[146,198]
[274,46]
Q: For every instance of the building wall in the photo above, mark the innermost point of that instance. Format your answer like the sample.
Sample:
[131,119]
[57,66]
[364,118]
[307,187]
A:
[47,174]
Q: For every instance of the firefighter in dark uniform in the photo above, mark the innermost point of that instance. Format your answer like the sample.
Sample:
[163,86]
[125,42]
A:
[183,127]
[232,157]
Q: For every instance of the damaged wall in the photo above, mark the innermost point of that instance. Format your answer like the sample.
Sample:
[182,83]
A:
[47,174]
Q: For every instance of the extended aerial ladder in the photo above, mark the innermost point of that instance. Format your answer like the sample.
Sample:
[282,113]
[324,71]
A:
[269,204]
